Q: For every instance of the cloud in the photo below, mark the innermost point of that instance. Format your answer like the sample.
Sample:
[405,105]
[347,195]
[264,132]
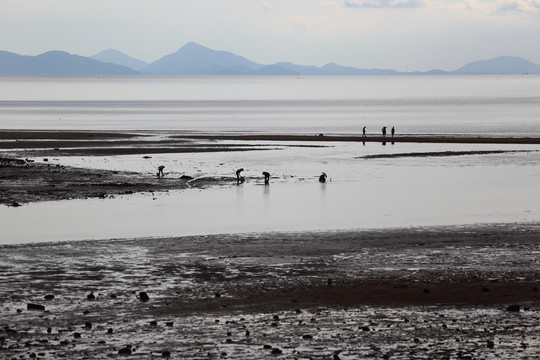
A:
[485,6]
[394,4]
[519,5]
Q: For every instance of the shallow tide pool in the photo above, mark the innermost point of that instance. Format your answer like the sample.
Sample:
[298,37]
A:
[360,194]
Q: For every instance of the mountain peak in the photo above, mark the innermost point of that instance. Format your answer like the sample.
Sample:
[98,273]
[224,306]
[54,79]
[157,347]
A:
[116,57]
[500,65]
[193,58]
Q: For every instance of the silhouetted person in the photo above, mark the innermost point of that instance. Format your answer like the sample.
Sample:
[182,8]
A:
[393,131]
[364,131]
[160,170]
[384,131]
[239,178]
[322,178]
[266,177]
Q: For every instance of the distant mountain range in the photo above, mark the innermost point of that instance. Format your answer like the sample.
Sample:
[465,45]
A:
[194,59]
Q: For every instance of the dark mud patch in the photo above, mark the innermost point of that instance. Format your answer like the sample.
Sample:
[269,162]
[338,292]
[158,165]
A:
[441,153]
[23,181]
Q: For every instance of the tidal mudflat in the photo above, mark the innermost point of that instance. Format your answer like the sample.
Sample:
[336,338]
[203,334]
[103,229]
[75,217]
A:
[444,293]
[457,278]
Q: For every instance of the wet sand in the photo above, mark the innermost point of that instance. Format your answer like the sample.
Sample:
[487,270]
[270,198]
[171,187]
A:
[437,293]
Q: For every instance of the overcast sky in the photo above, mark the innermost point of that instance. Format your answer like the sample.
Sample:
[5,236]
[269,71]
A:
[398,34]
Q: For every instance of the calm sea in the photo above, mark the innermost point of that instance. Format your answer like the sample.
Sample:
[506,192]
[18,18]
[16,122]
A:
[476,105]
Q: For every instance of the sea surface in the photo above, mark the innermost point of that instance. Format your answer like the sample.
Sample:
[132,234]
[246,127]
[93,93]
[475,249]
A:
[468,105]
[406,191]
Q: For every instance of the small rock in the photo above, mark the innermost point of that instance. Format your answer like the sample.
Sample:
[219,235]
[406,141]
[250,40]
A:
[365,328]
[91,297]
[144,296]
[49,297]
[88,325]
[217,295]
[336,357]
[276,351]
[77,335]
[490,344]
[15,204]
[165,353]
[267,347]
[153,323]
[513,308]
[31,306]
[110,331]
[49,330]
[247,332]
[169,323]
[125,351]
[146,157]
[276,318]
[307,337]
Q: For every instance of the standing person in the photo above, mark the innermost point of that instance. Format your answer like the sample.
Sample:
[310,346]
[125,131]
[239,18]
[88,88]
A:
[393,131]
[322,178]
[160,170]
[384,131]
[266,177]
[239,179]
[364,131]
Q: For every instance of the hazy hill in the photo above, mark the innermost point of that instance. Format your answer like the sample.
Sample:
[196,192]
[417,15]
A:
[194,59]
[500,65]
[56,62]
[116,57]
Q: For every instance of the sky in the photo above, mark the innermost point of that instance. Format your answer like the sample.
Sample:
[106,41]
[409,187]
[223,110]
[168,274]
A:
[404,35]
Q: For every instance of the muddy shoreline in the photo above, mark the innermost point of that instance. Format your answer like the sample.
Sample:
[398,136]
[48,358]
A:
[400,293]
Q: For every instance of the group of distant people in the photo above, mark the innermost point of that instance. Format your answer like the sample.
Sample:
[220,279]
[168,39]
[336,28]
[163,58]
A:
[392,131]
[240,179]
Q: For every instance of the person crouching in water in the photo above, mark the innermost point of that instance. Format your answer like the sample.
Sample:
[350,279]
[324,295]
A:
[239,179]
[160,171]
[322,178]
[266,178]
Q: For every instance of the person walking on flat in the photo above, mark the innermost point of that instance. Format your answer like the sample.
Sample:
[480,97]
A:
[393,131]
